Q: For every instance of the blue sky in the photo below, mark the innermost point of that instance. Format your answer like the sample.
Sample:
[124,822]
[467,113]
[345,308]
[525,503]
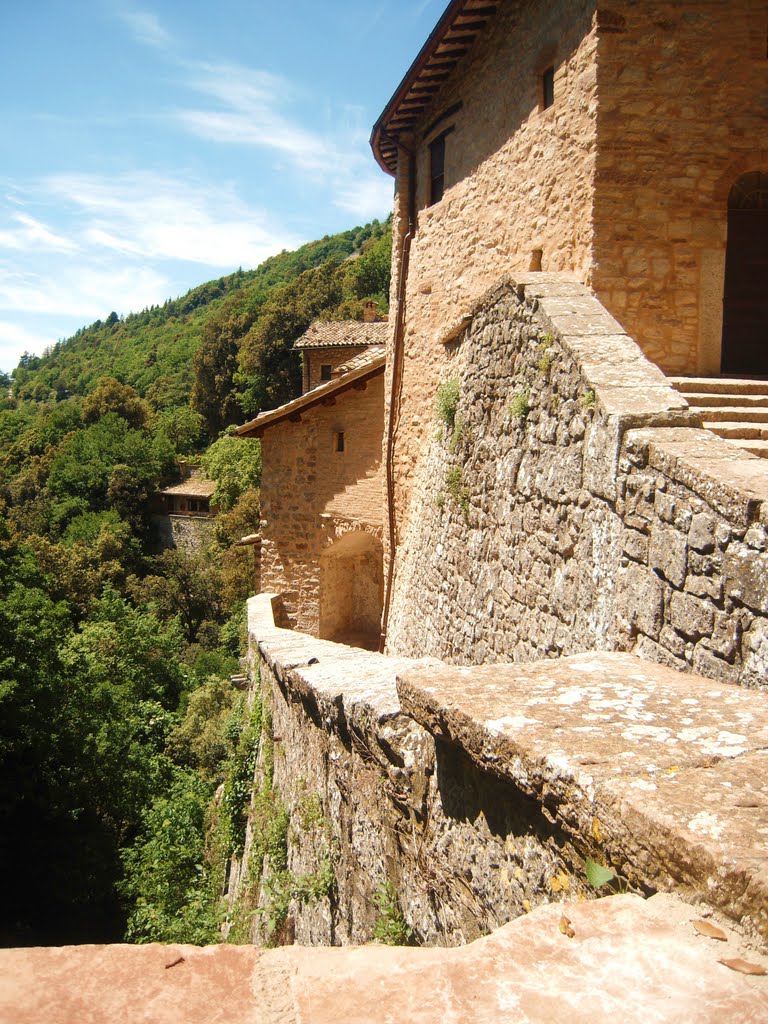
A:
[148,147]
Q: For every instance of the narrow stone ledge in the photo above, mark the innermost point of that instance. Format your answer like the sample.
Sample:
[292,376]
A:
[333,677]
[658,771]
[733,482]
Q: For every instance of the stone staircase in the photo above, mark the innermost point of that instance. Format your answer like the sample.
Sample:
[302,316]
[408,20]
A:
[734,408]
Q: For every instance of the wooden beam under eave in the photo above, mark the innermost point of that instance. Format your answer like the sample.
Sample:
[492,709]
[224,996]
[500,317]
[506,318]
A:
[330,400]
[360,385]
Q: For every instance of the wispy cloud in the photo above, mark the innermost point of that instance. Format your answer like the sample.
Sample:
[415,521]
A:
[145,27]
[15,338]
[82,291]
[31,234]
[366,198]
[250,114]
[251,111]
[162,218]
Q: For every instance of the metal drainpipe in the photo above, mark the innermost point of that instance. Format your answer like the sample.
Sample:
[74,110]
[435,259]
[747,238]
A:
[396,392]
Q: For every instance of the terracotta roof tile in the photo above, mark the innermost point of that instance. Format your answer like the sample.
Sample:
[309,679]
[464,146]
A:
[361,359]
[196,487]
[340,333]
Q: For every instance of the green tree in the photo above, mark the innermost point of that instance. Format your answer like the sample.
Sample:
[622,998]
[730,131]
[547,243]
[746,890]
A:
[235,464]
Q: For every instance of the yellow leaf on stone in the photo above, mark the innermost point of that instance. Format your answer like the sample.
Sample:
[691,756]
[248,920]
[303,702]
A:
[527,906]
[566,928]
[597,833]
[560,882]
[744,967]
[672,770]
[710,930]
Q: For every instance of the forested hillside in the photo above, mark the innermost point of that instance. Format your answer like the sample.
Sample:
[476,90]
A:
[117,718]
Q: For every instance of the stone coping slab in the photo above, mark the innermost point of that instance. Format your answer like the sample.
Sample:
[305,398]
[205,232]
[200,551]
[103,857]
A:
[734,482]
[646,767]
[345,684]
[627,959]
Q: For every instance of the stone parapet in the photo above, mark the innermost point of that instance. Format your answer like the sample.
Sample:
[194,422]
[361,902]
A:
[478,792]
[666,773]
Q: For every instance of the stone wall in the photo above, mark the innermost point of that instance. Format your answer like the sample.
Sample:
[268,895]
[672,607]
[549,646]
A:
[316,358]
[569,508]
[183,531]
[679,119]
[312,494]
[475,794]
[369,790]
[518,179]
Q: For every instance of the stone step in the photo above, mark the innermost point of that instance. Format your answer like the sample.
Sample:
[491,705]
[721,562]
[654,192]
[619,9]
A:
[735,414]
[704,399]
[737,431]
[754,447]
[741,385]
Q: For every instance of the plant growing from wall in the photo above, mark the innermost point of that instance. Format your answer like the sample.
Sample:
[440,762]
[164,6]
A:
[390,927]
[456,491]
[600,876]
[448,402]
[520,405]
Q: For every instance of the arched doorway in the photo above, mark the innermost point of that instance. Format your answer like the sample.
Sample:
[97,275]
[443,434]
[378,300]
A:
[352,590]
[745,298]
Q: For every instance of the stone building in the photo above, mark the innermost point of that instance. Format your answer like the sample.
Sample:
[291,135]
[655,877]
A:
[184,512]
[573,199]
[320,544]
[328,345]
[616,156]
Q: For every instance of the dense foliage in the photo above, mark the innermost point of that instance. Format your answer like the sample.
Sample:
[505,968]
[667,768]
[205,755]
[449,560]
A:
[117,717]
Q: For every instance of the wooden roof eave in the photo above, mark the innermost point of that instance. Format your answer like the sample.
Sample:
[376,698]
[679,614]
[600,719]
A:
[317,396]
[428,69]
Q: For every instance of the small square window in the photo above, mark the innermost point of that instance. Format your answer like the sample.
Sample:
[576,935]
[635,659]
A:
[548,87]
[340,441]
[325,371]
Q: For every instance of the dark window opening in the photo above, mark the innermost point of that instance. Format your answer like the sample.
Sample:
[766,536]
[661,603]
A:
[325,371]
[340,441]
[548,88]
[436,170]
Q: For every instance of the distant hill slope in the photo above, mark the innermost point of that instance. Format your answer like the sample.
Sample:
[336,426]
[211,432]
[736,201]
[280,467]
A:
[154,350]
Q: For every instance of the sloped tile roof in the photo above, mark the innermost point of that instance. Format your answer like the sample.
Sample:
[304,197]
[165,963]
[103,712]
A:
[195,487]
[368,364]
[342,333]
[361,359]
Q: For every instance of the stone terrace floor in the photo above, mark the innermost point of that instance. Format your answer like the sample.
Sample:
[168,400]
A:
[616,959]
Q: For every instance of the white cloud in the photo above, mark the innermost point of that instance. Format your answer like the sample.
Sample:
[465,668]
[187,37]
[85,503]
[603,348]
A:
[145,28]
[252,116]
[367,198]
[82,290]
[33,234]
[153,217]
[16,338]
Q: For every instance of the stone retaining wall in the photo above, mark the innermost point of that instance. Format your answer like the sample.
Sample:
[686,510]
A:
[475,793]
[575,505]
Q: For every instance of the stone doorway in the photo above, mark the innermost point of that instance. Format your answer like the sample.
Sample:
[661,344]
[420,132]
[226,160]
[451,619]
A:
[352,590]
[745,297]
